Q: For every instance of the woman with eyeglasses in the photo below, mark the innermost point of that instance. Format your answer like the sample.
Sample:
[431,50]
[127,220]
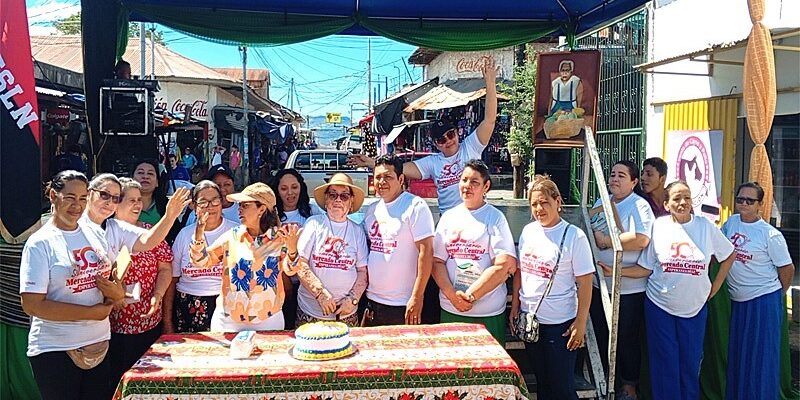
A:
[136,324]
[676,264]
[329,256]
[550,245]
[294,207]
[194,292]
[105,194]
[250,254]
[64,287]
[446,166]
[761,274]
[473,256]
[634,219]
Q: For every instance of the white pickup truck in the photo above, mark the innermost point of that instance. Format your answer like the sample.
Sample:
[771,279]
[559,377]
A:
[317,167]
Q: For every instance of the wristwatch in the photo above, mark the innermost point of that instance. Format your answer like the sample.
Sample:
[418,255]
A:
[354,301]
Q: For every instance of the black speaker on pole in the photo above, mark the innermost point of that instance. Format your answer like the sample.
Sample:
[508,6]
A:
[556,163]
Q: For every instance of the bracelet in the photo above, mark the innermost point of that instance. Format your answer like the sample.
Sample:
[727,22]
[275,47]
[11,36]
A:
[198,242]
[293,255]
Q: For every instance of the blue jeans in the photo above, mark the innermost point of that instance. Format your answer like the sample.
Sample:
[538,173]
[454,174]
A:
[675,347]
[553,363]
[629,331]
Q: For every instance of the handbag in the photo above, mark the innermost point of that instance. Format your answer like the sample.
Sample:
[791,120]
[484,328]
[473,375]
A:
[89,356]
[526,325]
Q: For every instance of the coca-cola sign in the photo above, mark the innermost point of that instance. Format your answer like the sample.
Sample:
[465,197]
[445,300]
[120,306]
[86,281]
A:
[472,64]
[199,107]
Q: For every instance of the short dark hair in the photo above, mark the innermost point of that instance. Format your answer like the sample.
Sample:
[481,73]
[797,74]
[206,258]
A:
[480,167]
[658,163]
[203,185]
[633,172]
[752,185]
[392,161]
[675,183]
[60,180]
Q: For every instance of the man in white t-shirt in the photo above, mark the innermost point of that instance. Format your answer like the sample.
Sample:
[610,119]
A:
[445,167]
[400,231]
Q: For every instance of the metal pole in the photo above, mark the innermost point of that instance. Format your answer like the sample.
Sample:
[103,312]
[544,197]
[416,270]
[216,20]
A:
[152,52]
[291,95]
[142,51]
[398,77]
[369,75]
[246,132]
[386,87]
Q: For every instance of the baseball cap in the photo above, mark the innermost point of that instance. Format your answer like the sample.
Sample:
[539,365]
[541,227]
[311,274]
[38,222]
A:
[258,191]
[219,169]
[439,128]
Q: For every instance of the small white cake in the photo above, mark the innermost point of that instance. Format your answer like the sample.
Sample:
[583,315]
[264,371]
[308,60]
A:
[324,340]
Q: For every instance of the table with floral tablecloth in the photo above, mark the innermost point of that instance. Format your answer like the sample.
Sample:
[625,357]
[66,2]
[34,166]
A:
[447,361]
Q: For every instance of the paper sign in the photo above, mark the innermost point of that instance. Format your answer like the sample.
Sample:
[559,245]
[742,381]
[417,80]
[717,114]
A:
[122,262]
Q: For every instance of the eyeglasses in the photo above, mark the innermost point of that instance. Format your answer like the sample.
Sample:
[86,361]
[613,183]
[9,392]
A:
[746,200]
[205,203]
[332,196]
[449,135]
[105,196]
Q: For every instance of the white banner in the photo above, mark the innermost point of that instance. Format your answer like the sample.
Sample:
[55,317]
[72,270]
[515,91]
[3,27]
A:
[696,158]
[175,97]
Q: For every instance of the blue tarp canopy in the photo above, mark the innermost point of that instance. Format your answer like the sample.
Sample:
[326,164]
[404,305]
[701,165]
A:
[441,25]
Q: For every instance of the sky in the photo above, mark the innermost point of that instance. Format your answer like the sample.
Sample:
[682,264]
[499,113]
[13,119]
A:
[329,73]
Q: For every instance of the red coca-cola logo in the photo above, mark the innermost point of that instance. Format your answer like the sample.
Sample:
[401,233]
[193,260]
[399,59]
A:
[199,107]
[472,64]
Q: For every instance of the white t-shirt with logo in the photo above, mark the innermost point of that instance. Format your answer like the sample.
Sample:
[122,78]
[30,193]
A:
[446,171]
[393,230]
[760,251]
[678,255]
[538,252]
[294,217]
[118,233]
[468,239]
[193,280]
[62,265]
[334,250]
[635,215]
[231,214]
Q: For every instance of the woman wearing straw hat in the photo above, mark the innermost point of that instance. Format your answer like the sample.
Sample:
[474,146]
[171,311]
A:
[329,255]
[252,285]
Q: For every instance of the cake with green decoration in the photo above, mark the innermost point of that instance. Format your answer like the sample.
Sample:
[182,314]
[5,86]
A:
[324,340]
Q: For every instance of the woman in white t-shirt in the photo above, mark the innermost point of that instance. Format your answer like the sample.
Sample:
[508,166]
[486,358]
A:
[473,256]
[761,274]
[105,193]
[565,308]
[329,255]
[193,295]
[634,219]
[676,263]
[64,288]
[294,207]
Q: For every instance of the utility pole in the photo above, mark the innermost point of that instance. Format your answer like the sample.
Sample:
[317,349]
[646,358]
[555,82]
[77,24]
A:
[398,77]
[386,87]
[291,94]
[369,75]
[142,51]
[410,79]
[245,137]
[152,52]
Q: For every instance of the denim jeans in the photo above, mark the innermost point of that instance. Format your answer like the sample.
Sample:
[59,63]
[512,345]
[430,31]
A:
[553,363]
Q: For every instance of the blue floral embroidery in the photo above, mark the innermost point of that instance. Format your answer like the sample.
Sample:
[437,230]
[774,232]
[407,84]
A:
[268,274]
[242,284]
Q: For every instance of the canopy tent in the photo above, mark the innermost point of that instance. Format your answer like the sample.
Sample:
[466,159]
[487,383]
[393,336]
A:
[453,93]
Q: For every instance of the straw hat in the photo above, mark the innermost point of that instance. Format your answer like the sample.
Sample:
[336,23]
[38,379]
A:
[258,191]
[340,179]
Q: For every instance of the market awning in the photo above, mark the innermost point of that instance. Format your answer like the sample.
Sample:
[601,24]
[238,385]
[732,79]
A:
[784,39]
[389,112]
[398,129]
[453,93]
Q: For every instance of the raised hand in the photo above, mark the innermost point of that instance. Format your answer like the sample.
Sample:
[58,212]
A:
[290,234]
[178,202]
[200,227]
[360,160]
[489,71]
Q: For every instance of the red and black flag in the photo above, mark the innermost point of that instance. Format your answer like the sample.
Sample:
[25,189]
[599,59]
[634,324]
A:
[20,179]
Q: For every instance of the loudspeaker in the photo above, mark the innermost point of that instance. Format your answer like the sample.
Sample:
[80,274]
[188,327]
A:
[556,163]
[120,154]
[126,111]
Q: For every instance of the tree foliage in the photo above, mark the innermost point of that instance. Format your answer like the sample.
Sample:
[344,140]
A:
[72,26]
[520,107]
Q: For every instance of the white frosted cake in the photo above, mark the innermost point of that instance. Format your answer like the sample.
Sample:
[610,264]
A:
[319,341]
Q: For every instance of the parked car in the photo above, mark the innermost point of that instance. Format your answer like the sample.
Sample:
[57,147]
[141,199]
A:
[354,143]
[317,167]
[424,188]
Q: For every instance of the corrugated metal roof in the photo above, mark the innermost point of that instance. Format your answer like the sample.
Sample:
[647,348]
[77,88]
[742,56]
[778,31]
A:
[454,93]
[65,51]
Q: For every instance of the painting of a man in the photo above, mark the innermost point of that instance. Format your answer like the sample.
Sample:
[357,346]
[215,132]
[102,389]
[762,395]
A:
[567,89]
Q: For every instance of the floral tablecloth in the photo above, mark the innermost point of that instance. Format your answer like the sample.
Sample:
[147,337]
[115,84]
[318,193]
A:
[441,362]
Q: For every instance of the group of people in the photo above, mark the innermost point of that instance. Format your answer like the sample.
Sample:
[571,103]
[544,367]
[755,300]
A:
[267,258]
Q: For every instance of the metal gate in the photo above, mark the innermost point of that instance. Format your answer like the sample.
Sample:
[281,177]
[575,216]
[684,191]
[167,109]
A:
[621,101]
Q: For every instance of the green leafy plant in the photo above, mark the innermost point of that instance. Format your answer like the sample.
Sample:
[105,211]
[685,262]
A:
[520,108]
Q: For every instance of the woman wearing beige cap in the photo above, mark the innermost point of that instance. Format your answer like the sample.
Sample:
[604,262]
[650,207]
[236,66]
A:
[252,284]
[329,255]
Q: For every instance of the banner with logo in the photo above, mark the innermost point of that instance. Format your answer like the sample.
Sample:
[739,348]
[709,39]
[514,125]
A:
[20,180]
[696,158]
